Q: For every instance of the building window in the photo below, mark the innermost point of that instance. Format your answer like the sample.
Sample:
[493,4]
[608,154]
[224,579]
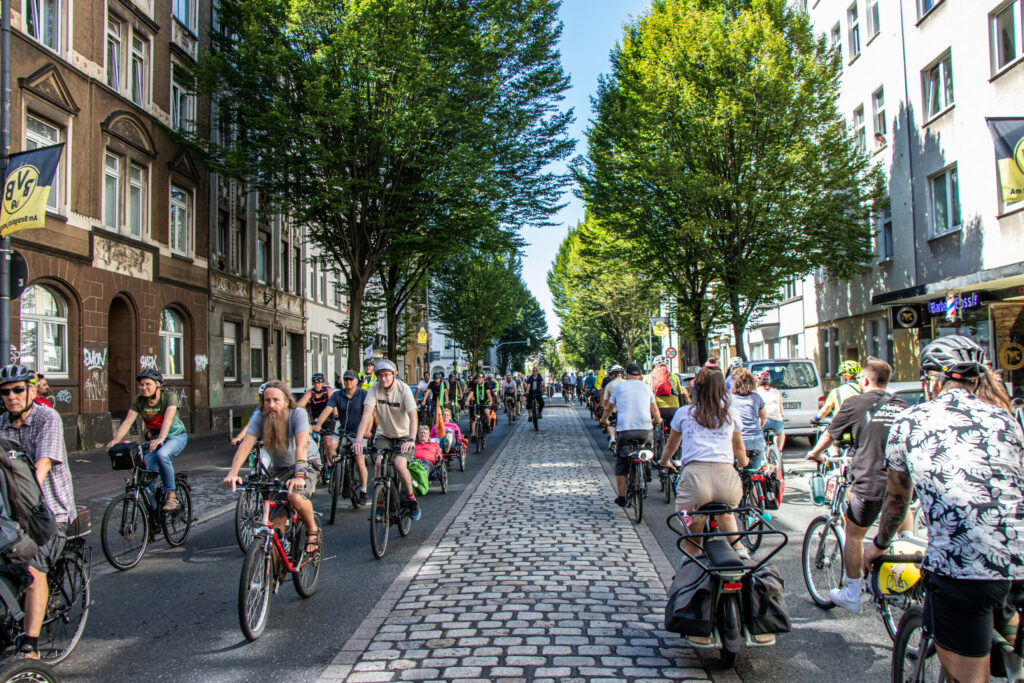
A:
[860,130]
[829,351]
[938,86]
[181,220]
[223,239]
[297,270]
[874,25]
[114,53]
[323,284]
[230,352]
[139,73]
[853,21]
[44,331]
[944,191]
[319,352]
[257,354]
[124,198]
[1006,35]
[263,257]
[878,115]
[756,351]
[182,106]
[925,6]
[793,344]
[42,22]
[38,134]
[127,73]
[885,233]
[238,247]
[172,349]
[789,289]
[833,38]
[286,283]
[879,341]
[184,11]
[314,278]
[337,290]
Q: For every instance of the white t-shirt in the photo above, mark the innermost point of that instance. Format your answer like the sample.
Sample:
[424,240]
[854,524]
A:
[632,399]
[701,444]
[772,402]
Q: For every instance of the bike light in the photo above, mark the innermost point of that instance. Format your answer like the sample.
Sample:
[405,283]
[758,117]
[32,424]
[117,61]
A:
[645,455]
[732,586]
[821,401]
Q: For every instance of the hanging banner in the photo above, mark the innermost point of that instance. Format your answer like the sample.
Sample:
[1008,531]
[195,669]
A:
[1008,136]
[27,186]
[660,326]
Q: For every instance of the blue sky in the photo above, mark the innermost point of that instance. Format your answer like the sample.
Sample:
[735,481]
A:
[591,30]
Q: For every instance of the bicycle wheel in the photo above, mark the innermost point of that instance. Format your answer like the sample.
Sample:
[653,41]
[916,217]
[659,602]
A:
[353,488]
[462,460]
[892,609]
[177,524]
[773,456]
[666,487]
[248,514]
[380,520]
[533,417]
[399,512]
[914,658]
[478,430]
[751,520]
[254,590]
[66,609]
[730,630]
[336,487]
[443,476]
[307,571]
[125,532]
[635,487]
[21,669]
[822,560]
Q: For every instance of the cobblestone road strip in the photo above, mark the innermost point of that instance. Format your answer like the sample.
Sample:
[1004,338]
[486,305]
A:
[540,577]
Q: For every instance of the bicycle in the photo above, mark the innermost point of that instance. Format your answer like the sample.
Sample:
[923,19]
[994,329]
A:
[23,669]
[478,430]
[636,479]
[272,556]
[344,478]
[534,411]
[510,408]
[772,454]
[249,508]
[667,478]
[387,508]
[913,641]
[752,502]
[131,519]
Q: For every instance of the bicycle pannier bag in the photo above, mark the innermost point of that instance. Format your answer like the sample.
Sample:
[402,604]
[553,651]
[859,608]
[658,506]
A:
[688,611]
[774,487]
[24,497]
[126,456]
[765,608]
[660,382]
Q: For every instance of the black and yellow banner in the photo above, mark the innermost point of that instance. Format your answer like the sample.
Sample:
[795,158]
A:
[27,186]
[1008,135]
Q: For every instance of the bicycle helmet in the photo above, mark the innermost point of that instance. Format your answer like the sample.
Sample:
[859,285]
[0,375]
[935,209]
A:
[764,377]
[15,373]
[384,365]
[262,388]
[658,360]
[955,356]
[617,369]
[736,362]
[367,361]
[438,375]
[850,368]
[149,373]
[318,377]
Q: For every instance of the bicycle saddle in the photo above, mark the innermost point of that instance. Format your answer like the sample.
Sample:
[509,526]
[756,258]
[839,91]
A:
[713,508]
[721,554]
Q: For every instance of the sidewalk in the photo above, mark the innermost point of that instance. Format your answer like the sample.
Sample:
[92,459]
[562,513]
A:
[540,576]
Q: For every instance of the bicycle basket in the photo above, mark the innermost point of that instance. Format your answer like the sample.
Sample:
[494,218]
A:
[125,456]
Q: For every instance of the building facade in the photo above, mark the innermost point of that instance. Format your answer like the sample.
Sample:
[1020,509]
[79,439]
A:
[118,276]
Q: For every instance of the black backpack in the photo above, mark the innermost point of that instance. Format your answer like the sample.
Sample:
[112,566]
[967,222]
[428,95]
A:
[25,498]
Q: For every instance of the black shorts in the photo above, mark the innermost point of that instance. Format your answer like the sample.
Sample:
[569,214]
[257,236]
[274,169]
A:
[961,613]
[667,414]
[623,459]
[862,512]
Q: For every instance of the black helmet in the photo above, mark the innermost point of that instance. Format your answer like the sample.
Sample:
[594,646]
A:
[15,373]
[150,374]
[318,377]
[956,356]
[367,361]
[438,375]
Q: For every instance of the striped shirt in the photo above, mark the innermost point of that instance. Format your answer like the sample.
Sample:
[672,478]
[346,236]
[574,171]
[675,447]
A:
[42,436]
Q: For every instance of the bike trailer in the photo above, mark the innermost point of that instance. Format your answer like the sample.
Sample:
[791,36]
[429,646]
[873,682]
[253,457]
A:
[126,456]
[774,487]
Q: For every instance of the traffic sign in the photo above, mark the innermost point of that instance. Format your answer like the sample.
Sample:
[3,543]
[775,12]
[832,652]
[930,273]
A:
[670,352]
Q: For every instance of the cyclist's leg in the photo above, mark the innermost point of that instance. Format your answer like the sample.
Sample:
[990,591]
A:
[860,514]
[960,616]
[331,448]
[299,500]
[160,459]
[402,470]
[38,592]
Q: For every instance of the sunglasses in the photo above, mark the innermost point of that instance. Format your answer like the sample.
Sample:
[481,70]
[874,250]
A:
[17,391]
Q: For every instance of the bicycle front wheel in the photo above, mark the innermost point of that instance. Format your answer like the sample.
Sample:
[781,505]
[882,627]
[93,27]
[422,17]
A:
[177,524]
[914,659]
[399,513]
[751,520]
[307,570]
[635,492]
[248,512]
[336,487]
[125,532]
[822,560]
[21,669]
[380,520]
[66,609]
[254,590]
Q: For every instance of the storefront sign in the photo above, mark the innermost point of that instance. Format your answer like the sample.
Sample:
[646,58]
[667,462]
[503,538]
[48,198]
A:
[906,317]
[1011,356]
[940,307]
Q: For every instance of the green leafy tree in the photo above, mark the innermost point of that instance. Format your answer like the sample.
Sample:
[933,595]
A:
[380,123]
[719,155]
[530,325]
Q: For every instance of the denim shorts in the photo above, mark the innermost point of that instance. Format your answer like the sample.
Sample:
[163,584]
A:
[777,426]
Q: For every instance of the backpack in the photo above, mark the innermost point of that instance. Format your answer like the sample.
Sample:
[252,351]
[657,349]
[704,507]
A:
[660,382]
[25,498]
[420,478]
[774,487]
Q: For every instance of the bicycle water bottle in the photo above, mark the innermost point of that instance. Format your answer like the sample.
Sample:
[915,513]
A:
[284,540]
[685,516]
[818,488]
[252,459]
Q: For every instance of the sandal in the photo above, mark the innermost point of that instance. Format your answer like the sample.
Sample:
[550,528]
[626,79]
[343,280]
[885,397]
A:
[313,540]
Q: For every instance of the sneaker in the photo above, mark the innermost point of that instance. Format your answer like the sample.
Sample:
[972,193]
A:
[621,501]
[840,597]
[414,508]
[361,497]
[611,445]
[171,504]
[741,551]
[701,641]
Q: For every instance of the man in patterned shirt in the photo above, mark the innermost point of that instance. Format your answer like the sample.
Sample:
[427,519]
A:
[40,432]
[962,455]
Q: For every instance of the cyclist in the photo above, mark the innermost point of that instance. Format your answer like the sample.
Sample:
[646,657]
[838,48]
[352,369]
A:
[347,405]
[478,394]
[509,389]
[452,434]
[42,389]
[164,430]
[433,398]
[772,407]
[666,387]
[567,384]
[520,389]
[960,451]
[613,379]
[421,387]
[579,385]
[283,427]
[638,414]
[588,383]
[427,452]
[454,391]
[868,418]
[734,364]
[848,371]
[314,401]
[534,386]
[750,406]
[367,377]
[392,402]
[40,432]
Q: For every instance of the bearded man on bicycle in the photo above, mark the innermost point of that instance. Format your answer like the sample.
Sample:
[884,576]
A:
[960,451]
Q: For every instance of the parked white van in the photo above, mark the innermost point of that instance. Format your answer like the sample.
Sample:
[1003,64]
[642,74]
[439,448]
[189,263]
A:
[802,395]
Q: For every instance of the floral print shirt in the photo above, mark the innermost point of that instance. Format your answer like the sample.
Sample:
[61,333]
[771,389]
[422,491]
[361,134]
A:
[965,459]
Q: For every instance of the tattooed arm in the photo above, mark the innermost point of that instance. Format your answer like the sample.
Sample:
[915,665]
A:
[898,495]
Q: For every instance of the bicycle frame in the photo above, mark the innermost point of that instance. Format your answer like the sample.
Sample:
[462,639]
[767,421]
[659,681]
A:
[268,527]
[698,538]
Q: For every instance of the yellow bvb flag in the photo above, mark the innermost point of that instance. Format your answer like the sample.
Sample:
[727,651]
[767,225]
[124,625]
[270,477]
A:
[1008,136]
[27,186]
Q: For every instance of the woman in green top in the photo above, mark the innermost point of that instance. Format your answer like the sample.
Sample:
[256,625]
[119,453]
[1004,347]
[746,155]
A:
[164,430]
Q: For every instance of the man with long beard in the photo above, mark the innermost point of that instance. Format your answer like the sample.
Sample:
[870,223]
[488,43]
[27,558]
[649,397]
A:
[284,430]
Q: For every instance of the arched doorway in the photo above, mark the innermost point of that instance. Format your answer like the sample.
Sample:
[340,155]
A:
[121,355]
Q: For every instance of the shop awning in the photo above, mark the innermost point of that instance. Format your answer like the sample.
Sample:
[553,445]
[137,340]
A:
[1009,278]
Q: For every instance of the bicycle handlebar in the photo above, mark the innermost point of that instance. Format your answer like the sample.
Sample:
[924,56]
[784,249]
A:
[916,558]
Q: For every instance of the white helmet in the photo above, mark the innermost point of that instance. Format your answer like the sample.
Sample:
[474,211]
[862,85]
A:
[736,362]
[659,360]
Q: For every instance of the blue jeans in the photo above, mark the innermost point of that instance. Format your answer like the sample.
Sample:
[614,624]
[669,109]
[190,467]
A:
[160,459]
[777,426]
[755,444]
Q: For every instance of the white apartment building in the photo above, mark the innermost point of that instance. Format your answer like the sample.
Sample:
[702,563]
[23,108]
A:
[326,319]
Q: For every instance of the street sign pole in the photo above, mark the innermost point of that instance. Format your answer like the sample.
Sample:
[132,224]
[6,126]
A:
[5,144]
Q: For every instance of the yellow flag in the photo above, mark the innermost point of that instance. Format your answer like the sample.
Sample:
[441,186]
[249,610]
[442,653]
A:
[1008,136]
[27,186]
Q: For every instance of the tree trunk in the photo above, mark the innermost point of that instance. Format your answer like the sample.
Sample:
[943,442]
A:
[739,324]
[392,315]
[356,291]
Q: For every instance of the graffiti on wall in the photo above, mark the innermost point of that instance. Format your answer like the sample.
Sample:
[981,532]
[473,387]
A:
[94,360]
[63,396]
[182,398]
[202,362]
[95,384]
[147,362]
[15,354]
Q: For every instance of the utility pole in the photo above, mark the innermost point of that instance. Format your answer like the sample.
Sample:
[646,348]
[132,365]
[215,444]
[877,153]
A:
[5,146]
